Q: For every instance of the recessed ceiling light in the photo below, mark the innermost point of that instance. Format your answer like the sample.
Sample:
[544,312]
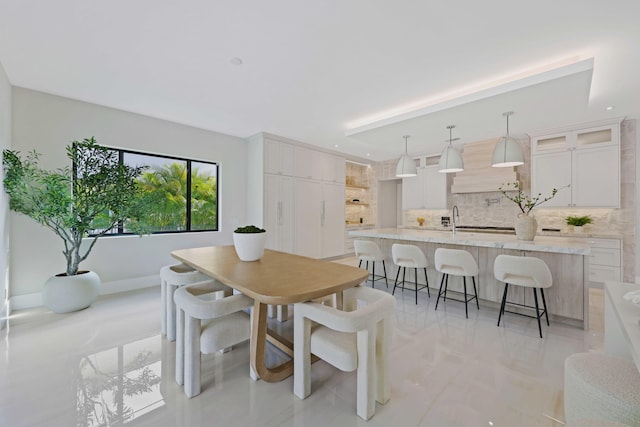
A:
[336,145]
[368,154]
[236,61]
[609,108]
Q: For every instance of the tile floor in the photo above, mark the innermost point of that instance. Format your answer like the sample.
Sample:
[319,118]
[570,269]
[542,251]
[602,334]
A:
[108,365]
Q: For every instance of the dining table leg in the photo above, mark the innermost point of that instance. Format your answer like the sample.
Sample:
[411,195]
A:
[258,346]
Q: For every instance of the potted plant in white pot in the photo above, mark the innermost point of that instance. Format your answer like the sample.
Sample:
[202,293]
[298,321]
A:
[577,222]
[92,197]
[249,242]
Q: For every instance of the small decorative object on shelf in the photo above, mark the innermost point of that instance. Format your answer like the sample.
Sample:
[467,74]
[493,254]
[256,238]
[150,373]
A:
[526,224]
[420,221]
[249,242]
[578,222]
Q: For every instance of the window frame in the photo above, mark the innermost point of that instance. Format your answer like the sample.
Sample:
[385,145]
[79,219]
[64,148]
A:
[121,153]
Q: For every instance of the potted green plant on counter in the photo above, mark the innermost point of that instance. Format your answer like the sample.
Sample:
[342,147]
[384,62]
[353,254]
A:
[249,242]
[79,204]
[578,222]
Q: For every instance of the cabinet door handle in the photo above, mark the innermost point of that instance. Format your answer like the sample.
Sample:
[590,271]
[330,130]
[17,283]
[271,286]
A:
[322,215]
[279,213]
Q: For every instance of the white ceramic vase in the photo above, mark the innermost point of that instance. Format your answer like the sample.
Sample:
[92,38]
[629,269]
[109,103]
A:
[64,294]
[526,227]
[249,246]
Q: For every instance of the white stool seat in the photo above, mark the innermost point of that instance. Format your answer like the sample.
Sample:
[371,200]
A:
[409,256]
[529,272]
[171,278]
[599,386]
[206,324]
[456,262]
[368,251]
[357,338]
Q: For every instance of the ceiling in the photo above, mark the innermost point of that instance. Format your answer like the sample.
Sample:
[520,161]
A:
[351,76]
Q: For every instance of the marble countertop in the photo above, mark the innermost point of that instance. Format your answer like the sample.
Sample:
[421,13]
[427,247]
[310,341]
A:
[566,245]
[583,235]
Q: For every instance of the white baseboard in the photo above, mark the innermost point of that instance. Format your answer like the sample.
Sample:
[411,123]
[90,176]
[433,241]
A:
[20,302]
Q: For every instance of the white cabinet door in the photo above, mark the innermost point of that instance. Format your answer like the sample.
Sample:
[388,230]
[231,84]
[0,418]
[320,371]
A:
[596,177]
[413,191]
[308,163]
[332,219]
[549,171]
[333,168]
[435,188]
[278,212]
[278,157]
[308,211]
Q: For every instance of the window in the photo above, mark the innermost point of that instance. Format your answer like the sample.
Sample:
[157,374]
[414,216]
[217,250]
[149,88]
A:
[184,193]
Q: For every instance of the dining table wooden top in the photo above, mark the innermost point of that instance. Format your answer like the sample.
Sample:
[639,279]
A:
[277,278]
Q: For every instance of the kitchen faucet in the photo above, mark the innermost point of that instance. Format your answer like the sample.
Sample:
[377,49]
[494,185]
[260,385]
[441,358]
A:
[454,213]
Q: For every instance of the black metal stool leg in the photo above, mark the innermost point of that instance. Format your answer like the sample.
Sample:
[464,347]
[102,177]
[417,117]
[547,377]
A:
[359,263]
[385,273]
[396,282]
[404,272]
[440,291]
[466,311]
[535,299]
[475,291]
[446,286]
[416,277]
[426,278]
[373,274]
[544,303]
[504,300]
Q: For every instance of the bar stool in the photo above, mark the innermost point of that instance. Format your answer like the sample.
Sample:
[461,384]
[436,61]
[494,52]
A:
[456,262]
[171,278]
[529,272]
[369,251]
[409,256]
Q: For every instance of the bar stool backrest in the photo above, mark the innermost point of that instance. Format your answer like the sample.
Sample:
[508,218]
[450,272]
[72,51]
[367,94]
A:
[456,262]
[408,256]
[522,271]
[367,250]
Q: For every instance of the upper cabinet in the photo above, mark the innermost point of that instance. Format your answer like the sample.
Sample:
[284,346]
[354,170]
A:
[278,157]
[428,190]
[333,168]
[308,163]
[587,160]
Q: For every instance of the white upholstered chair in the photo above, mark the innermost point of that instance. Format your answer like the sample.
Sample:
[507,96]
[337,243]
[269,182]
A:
[409,256]
[456,262]
[171,278]
[529,272]
[206,324]
[602,388]
[357,338]
[368,251]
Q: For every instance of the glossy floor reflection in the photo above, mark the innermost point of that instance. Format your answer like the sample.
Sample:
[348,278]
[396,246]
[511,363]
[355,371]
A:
[108,365]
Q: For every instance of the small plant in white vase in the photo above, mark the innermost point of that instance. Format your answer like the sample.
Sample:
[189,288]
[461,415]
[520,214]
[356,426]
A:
[578,222]
[249,242]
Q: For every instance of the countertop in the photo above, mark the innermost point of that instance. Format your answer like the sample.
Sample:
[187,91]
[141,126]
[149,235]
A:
[539,233]
[567,245]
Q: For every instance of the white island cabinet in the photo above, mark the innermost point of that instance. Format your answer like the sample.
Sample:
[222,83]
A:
[567,258]
[586,161]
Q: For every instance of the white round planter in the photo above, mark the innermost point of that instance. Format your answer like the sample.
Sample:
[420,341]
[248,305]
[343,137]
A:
[249,246]
[64,294]
[526,227]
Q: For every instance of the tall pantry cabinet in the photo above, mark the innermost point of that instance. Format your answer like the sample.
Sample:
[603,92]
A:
[298,195]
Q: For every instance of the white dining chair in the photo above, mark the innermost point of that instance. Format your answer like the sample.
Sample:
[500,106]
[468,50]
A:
[206,324]
[357,338]
[171,278]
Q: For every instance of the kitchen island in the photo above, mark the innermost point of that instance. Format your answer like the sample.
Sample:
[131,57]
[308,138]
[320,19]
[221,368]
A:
[567,299]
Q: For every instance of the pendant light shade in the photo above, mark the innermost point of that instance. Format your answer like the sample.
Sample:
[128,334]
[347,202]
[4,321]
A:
[508,151]
[406,165]
[450,159]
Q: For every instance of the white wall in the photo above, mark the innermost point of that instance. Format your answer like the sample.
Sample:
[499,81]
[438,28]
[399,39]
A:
[5,142]
[48,123]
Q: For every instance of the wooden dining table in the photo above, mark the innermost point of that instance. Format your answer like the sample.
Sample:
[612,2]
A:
[278,278]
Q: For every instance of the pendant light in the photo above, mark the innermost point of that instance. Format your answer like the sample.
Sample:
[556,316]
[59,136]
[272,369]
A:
[508,151]
[450,159]
[406,165]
